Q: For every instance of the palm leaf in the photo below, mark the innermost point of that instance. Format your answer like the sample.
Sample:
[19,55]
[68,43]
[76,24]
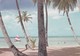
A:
[64,5]
[25,17]
[29,15]
[17,17]
[35,1]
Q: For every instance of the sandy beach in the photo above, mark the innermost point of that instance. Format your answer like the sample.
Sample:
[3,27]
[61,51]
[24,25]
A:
[52,51]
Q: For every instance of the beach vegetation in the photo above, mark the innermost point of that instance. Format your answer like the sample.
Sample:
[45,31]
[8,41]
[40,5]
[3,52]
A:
[33,43]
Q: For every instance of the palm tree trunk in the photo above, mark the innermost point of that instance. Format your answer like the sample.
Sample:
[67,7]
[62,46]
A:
[72,28]
[15,51]
[46,32]
[41,30]
[25,24]
[23,28]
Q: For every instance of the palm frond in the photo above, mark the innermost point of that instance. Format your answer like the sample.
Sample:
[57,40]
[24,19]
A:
[64,5]
[18,21]
[29,15]
[17,17]
[55,3]
[35,1]
[25,17]
[48,2]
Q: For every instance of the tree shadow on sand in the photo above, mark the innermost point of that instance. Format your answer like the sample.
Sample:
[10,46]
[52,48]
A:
[2,50]
[66,51]
[70,51]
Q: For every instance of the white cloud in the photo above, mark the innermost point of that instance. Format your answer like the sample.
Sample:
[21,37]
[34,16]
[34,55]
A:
[57,17]
[54,13]
[34,15]
[9,18]
[75,10]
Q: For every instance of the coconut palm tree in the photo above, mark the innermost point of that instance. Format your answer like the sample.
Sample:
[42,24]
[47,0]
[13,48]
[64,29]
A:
[15,51]
[25,18]
[46,2]
[41,30]
[23,28]
[66,6]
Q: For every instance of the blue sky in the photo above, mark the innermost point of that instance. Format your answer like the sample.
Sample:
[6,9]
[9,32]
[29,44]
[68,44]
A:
[58,24]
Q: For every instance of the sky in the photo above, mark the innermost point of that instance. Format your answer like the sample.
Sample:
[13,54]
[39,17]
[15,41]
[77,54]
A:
[58,24]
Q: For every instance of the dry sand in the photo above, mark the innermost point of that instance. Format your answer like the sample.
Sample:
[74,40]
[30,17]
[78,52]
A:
[52,51]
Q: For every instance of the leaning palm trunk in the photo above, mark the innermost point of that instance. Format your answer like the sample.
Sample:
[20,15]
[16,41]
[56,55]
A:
[46,31]
[72,28]
[22,22]
[15,51]
[41,30]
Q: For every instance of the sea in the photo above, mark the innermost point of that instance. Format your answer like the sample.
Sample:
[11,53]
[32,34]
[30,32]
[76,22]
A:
[52,41]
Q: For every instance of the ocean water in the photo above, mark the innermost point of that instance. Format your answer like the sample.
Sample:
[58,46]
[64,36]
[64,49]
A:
[53,41]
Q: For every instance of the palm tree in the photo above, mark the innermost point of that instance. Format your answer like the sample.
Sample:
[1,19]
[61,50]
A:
[15,51]
[25,17]
[66,6]
[41,30]
[22,23]
[46,2]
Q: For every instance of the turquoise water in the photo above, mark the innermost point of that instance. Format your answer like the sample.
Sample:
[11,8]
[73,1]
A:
[53,41]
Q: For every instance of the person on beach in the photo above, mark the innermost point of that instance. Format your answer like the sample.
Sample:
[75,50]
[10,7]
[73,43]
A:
[17,38]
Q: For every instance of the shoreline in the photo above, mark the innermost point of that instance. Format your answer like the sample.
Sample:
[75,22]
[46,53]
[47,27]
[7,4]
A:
[52,51]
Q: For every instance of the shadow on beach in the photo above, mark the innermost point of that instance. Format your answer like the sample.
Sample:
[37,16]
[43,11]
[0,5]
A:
[64,51]
[69,51]
[2,50]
